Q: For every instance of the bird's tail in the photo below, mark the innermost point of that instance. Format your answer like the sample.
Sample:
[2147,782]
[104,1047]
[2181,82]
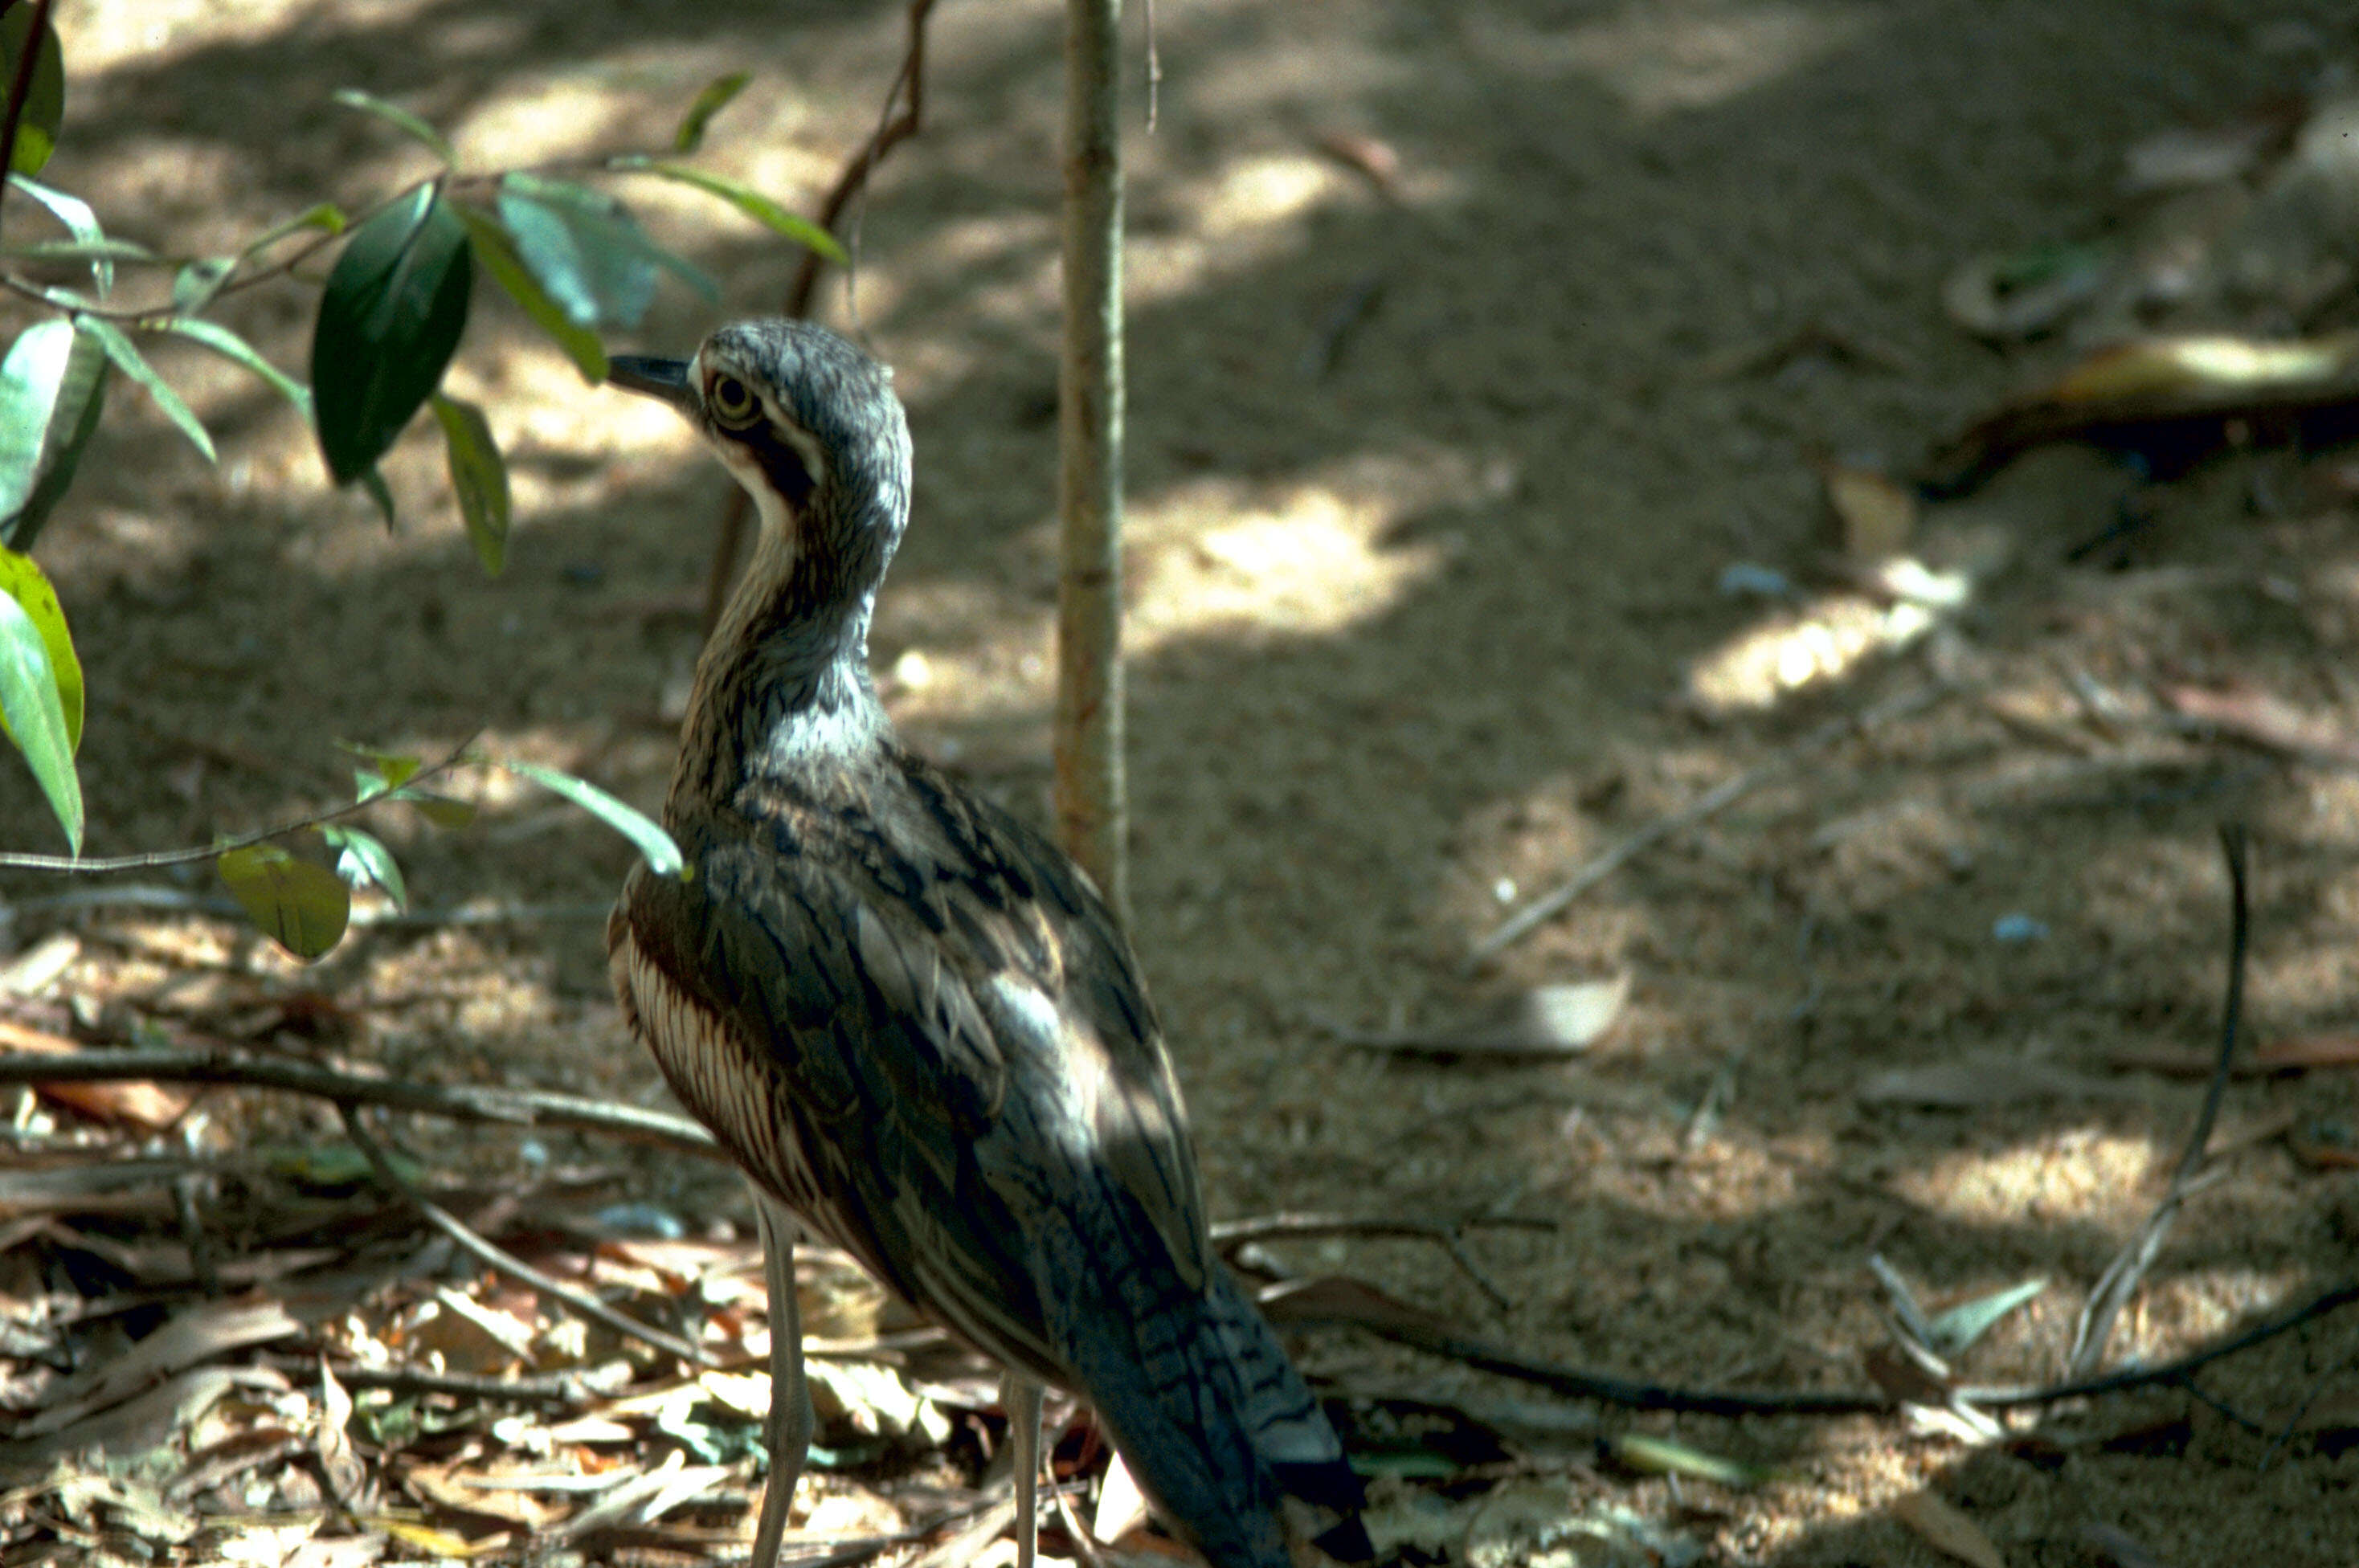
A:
[1218,1427]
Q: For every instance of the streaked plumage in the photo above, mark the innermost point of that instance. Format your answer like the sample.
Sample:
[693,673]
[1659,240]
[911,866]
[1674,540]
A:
[906,1014]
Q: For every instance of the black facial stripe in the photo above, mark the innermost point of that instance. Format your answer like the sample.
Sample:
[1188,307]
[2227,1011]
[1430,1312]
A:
[788,474]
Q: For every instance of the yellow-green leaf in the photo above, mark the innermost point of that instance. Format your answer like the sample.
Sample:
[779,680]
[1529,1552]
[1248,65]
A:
[45,96]
[36,718]
[23,581]
[708,103]
[663,855]
[362,859]
[478,475]
[497,252]
[745,198]
[301,906]
[399,118]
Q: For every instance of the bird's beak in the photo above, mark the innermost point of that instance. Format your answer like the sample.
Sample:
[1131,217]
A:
[664,379]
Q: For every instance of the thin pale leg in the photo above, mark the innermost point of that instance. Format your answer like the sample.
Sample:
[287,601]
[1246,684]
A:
[1021,1395]
[790,1411]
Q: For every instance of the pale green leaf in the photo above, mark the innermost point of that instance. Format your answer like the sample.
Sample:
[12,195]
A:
[224,341]
[497,252]
[325,216]
[132,363]
[401,119]
[372,482]
[80,222]
[662,854]
[194,286]
[478,476]
[301,906]
[362,859]
[1960,1326]
[52,386]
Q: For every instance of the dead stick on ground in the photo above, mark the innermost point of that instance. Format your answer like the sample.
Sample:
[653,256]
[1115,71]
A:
[507,1262]
[2120,1281]
[516,1108]
[910,91]
[1451,1237]
[1530,918]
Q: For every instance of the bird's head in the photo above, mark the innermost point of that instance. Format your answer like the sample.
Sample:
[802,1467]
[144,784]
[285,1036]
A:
[808,425]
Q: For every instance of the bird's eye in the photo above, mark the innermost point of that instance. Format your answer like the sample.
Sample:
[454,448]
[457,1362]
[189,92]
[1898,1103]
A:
[732,402]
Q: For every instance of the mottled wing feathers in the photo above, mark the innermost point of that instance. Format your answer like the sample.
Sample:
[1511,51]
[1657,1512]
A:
[855,992]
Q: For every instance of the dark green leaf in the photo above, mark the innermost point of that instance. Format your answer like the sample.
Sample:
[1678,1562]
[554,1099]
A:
[52,388]
[478,476]
[194,286]
[300,906]
[37,719]
[663,855]
[440,809]
[389,320]
[401,119]
[79,220]
[45,98]
[22,579]
[133,363]
[708,103]
[745,198]
[497,254]
[590,255]
[224,341]
[381,493]
[362,859]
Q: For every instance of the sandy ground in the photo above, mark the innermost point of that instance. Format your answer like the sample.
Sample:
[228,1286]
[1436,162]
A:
[1418,604]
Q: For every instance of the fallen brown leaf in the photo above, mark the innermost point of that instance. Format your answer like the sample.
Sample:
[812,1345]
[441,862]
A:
[147,1106]
[1943,1527]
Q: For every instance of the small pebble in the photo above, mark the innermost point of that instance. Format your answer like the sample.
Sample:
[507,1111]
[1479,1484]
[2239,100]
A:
[2017,929]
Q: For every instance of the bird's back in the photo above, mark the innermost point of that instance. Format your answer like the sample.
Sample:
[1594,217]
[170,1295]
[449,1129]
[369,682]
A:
[910,1017]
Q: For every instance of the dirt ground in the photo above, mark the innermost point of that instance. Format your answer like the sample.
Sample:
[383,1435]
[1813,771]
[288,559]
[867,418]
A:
[1435,479]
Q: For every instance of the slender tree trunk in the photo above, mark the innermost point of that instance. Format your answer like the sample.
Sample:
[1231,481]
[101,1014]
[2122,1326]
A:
[1090,811]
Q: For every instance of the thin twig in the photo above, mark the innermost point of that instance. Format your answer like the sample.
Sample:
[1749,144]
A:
[1449,1236]
[151,859]
[2122,1276]
[154,895]
[569,1390]
[909,89]
[514,1107]
[20,86]
[507,1262]
[1486,1357]
[1530,918]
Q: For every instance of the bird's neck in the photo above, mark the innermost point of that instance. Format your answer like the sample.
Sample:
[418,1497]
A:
[783,694]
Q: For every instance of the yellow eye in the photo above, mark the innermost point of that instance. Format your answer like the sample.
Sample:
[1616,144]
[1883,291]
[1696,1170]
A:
[732,402]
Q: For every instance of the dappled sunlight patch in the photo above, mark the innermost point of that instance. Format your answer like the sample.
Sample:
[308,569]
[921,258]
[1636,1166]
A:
[2083,1176]
[1307,558]
[1659,59]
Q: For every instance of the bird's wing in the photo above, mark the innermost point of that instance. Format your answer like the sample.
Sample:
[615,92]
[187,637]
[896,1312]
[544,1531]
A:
[854,1024]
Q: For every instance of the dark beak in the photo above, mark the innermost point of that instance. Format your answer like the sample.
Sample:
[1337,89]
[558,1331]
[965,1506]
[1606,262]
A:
[663,379]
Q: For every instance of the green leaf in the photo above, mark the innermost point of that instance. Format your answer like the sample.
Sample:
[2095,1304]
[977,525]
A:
[52,386]
[362,859]
[590,255]
[497,252]
[711,101]
[194,286]
[449,814]
[30,701]
[133,363]
[79,220]
[224,341]
[479,476]
[1960,1326]
[663,855]
[301,906]
[45,97]
[389,320]
[22,579]
[401,119]
[326,217]
[745,198]
[384,770]
[82,250]
[381,493]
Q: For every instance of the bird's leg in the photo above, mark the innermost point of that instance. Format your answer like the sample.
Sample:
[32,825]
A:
[1021,1395]
[790,1412]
